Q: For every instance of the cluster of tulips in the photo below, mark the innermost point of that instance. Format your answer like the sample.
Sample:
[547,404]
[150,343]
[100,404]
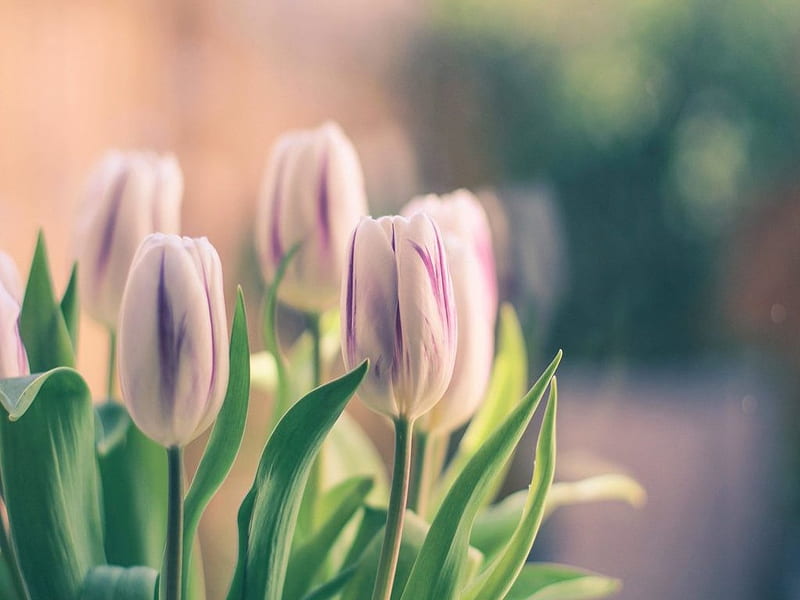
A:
[97,510]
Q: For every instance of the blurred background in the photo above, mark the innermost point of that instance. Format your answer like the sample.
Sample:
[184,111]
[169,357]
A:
[640,160]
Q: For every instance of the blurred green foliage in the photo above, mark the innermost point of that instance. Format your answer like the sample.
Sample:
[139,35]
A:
[655,122]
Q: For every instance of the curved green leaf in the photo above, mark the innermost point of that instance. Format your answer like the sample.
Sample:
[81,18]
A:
[342,502]
[119,583]
[41,322]
[278,487]
[438,570]
[226,437]
[49,473]
[498,577]
[506,386]
[547,581]
[415,530]
[609,486]
[70,308]
[133,472]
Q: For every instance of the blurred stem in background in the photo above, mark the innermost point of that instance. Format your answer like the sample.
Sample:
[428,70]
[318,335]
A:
[429,457]
[112,365]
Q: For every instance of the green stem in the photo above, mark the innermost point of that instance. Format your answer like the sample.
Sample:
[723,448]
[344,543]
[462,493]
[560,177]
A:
[10,558]
[417,469]
[283,389]
[396,512]
[429,459]
[171,572]
[112,364]
[310,506]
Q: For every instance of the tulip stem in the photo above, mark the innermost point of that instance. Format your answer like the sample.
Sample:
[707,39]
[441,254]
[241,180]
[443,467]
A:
[396,512]
[112,364]
[173,554]
[428,460]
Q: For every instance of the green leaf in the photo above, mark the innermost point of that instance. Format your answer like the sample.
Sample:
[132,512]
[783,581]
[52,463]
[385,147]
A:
[133,472]
[506,386]
[496,580]
[609,486]
[119,583]
[439,568]
[342,502]
[70,307]
[278,487]
[226,437]
[372,521]
[547,581]
[41,322]
[415,530]
[495,524]
[49,472]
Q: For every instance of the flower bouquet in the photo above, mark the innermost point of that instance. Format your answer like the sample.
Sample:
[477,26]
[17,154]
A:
[96,498]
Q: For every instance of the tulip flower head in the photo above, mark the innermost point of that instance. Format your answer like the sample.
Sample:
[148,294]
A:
[468,244]
[13,359]
[129,196]
[313,193]
[173,338]
[398,311]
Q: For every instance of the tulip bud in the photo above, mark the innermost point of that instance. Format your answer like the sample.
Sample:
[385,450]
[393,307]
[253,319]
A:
[13,359]
[398,311]
[313,193]
[468,244]
[129,196]
[173,338]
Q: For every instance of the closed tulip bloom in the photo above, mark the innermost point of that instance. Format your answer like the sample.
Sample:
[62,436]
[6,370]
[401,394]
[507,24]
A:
[129,196]
[468,244]
[313,193]
[13,359]
[398,311]
[173,338]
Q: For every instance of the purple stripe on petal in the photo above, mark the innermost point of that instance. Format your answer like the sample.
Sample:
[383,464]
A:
[446,298]
[106,241]
[170,342]
[323,202]
[428,262]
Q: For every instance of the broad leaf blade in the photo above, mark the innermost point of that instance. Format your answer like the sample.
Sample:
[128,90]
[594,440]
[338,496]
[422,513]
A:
[439,568]
[41,322]
[547,581]
[226,437]
[133,472]
[282,474]
[342,502]
[49,472]
[497,579]
[506,386]
[119,583]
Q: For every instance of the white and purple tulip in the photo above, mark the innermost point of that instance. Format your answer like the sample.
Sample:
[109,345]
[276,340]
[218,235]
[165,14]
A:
[173,338]
[129,195]
[398,311]
[13,359]
[468,243]
[313,193]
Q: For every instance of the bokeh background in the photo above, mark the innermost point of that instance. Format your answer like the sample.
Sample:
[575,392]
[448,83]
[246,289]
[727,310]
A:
[641,163]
